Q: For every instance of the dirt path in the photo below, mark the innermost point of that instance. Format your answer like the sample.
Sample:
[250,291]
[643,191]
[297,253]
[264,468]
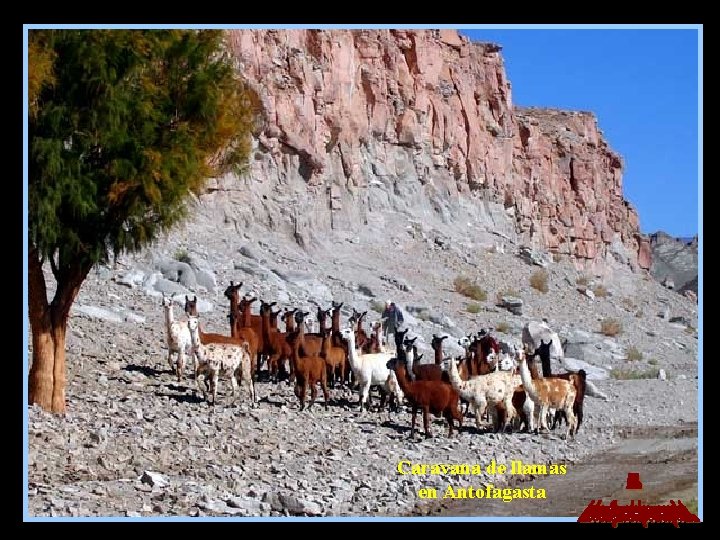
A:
[665,457]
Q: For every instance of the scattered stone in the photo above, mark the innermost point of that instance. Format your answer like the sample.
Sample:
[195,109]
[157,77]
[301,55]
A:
[662,375]
[512,304]
[153,479]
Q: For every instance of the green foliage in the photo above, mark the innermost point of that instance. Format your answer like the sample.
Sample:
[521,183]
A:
[377,306]
[127,124]
[539,281]
[467,287]
[473,308]
[653,362]
[633,354]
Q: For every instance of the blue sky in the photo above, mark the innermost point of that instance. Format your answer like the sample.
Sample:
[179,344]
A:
[643,87]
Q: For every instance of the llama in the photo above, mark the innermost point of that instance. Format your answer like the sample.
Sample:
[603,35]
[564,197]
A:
[434,397]
[546,393]
[361,336]
[369,369]
[214,358]
[335,359]
[578,379]
[486,391]
[277,348]
[178,339]
[308,369]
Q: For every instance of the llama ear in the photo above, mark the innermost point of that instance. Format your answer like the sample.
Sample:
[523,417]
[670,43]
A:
[194,298]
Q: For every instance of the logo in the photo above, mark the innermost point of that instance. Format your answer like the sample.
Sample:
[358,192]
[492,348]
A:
[636,512]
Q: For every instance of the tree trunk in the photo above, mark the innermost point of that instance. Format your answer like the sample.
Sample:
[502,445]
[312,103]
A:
[46,385]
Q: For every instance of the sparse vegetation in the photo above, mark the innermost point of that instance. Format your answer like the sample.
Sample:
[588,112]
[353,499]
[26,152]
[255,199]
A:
[610,327]
[556,257]
[639,314]
[692,506]
[624,374]
[629,305]
[689,330]
[600,291]
[633,354]
[653,362]
[507,292]
[539,281]
[377,306]
[473,308]
[467,287]
[183,256]
[424,316]
[503,327]
[582,281]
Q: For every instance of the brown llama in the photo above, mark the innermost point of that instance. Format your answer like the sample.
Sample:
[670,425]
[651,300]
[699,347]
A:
[276,345]
[434,397]
[425,372]
[237,330]
[308,369]
[335,359]
[361,336]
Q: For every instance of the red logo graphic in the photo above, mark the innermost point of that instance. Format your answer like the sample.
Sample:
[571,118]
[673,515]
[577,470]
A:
[636,512]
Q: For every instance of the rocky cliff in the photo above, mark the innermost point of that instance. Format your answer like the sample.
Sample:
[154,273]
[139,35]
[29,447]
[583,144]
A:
[357,122]
[675,261]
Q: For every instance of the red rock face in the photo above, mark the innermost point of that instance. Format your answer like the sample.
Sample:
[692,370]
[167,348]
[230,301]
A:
[356,94]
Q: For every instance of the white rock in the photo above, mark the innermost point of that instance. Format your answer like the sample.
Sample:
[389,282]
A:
[662,375]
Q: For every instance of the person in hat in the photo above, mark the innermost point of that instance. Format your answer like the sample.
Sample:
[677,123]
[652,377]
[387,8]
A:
[392,320]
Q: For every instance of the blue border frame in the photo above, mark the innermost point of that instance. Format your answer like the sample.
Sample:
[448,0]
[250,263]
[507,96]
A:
[26,27]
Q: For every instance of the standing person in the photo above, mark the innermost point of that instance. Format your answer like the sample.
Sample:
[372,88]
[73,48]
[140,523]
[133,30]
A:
[392,321]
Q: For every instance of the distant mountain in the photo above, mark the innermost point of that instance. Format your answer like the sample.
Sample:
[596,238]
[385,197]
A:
[675,259]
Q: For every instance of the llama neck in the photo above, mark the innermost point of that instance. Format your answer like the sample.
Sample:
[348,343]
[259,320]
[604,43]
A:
[438,353]
[527,381]
[352,353]
[265,325]
[457,383]
[336,321]
[545,361]
[410,360]
[405,384]
[169,317]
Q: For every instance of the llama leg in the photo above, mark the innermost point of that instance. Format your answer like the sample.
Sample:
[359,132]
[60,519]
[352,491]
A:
[426,422]
[234,385]
[215,378]
[180,364]
[412,424]
[326,392]
[301,386]
[313,392]
[170,360]
[364,393]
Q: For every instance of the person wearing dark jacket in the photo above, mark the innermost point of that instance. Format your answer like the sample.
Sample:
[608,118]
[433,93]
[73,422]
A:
[392,321]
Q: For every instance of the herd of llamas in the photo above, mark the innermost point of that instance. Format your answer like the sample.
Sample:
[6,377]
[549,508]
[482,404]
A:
[504,387]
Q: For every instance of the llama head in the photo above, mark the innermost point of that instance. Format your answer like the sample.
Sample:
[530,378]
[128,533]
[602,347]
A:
[191,306]
[410,342]
[192,324]
[300,316]
[348,334]
[437,341]
[336,306]
[167,301]
[232,290]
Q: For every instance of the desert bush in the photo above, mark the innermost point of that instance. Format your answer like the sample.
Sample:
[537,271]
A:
[377,306]
[623,374]
[467,287]
[633,354]
[582,281]
[183,256]
[539,281]
[653,362]
[600,291]
[610,327]
[473,308]
[503,327]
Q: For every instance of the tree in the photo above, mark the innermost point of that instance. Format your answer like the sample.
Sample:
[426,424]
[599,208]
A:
[123,126]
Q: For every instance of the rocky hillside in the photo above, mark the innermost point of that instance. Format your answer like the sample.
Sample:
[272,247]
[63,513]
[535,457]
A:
[675,261]
[429,115]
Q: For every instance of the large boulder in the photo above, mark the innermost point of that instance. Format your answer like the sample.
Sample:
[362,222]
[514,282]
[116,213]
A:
[533,332]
